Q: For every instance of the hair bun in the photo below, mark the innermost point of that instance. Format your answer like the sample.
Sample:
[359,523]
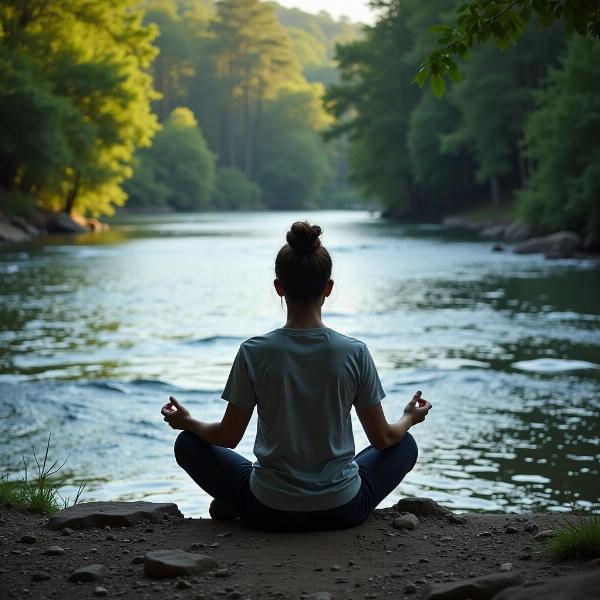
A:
[304,237]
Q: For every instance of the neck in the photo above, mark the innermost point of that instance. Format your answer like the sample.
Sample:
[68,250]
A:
[303,316]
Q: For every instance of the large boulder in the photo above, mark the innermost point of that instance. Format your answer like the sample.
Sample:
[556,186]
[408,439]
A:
[518,231]
[493,231]
[88,515]
[62,222]
[559,243]
[26,226]
[11,233]
[174,563]
[475,588]
[583,586]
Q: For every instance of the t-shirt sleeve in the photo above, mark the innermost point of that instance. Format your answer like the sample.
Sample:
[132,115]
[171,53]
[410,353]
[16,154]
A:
[239,389]
[369,391]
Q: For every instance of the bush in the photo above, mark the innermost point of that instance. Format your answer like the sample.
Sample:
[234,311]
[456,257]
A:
[234,191]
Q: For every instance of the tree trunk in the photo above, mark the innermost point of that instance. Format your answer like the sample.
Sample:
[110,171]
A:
[495,190]
[8,172]
[255,131]
[72,195]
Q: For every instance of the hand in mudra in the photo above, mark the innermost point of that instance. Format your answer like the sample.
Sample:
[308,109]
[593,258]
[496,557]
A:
[175,414]
[417,408]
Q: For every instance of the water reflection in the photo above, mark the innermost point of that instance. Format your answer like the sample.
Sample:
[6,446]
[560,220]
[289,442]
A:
[159,304]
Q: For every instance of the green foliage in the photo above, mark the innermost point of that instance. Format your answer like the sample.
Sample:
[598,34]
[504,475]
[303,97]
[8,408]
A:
[293,171]
[40,494]
[503,22]
[178,170]
[75,77]
[234,191]
[561,136]
[575,540]
[371,105]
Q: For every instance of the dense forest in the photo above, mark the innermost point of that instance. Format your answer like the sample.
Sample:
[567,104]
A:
[242,104]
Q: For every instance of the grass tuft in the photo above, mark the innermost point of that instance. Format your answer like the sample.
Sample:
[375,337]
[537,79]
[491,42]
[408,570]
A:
[580,539]
[40,493]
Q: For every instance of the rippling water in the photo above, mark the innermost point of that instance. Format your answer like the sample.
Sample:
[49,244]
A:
[96,331]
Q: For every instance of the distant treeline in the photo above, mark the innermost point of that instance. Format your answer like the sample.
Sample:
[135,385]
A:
[523,125]
[184,104]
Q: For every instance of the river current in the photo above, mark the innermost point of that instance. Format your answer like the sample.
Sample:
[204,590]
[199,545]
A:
[97,330]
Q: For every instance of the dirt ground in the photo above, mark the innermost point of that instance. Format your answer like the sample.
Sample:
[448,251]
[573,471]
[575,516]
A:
[371,561]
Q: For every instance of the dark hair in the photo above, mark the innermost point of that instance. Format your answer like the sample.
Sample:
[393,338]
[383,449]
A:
[303,265]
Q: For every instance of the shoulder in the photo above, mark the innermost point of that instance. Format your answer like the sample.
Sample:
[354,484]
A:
[349,342]
[259,342]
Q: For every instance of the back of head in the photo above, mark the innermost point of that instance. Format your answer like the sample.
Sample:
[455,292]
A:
[303,265]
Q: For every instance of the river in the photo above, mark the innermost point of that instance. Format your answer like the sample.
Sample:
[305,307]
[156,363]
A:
[97,330]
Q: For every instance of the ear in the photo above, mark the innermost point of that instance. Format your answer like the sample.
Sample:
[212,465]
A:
[328,288]
[278,288]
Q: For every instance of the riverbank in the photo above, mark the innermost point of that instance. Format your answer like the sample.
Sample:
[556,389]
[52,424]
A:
[376,560]
[34,222]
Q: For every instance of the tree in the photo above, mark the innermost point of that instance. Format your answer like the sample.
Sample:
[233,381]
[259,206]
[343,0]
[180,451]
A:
[234,191]
[371,105]
[294,169]
[561,137]
[179,163]
[502,21]
[90,60]
[253,58]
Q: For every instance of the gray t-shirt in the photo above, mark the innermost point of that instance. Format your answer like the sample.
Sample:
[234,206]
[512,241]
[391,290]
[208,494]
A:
[304,383]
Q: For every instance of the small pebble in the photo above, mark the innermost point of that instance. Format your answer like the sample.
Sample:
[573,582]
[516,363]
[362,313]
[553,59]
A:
[137,560]
[100,591]
[222,573]
[411,588]
[54,551]
[507,566]
[544,535]
[183,585]
[67,531]
[511,529]
[40,576]
[336,568]
[485,534]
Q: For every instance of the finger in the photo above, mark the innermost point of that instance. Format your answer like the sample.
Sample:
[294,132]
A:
[175,402]
[416,397]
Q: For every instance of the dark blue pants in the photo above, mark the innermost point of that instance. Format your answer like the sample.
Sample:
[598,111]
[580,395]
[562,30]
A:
[224,474]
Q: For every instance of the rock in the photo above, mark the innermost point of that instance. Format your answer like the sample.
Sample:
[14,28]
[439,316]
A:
[493,231]
[62,222]
[319,596]
[530,527]
[406,521]
[183,585]
[88,515]
[518,231]
[544,535]
[461,222]
[410,588]
[40,576]
[583,586]
[457,519]
[10,233]
[88,573]
[137,560]
[67,531]
[21,223]
[28,539]
[222,573]
[507,567]
[476,588]
[421,507]
[511,529]
[100,591]
[498,248]
[173,563]
[54,551]
[336,568]
[554,244]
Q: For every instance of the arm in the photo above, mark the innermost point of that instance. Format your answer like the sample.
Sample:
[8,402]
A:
[227,433]
[382,434]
